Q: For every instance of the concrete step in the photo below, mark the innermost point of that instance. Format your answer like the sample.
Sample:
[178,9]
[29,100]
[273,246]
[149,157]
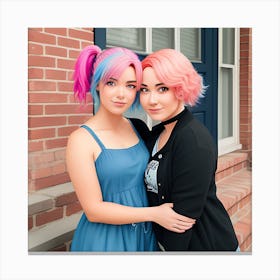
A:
[52,234]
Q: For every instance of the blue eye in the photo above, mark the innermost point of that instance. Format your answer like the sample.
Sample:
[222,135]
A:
[110,83]
[131,86]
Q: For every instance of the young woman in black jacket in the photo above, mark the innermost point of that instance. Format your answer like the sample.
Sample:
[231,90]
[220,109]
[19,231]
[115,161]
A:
[183,158]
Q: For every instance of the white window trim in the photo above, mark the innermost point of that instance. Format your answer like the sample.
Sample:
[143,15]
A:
[231,144]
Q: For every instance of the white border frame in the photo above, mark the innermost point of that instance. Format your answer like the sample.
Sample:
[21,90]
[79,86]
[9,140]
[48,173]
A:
[16,17]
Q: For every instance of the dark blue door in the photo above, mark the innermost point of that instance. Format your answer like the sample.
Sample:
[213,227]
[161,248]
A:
[206,110]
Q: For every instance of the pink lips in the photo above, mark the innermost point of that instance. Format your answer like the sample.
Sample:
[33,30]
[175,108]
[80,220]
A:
[120,104]
[154,111]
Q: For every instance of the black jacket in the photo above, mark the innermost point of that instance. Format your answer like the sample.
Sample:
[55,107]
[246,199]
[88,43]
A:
[186,177]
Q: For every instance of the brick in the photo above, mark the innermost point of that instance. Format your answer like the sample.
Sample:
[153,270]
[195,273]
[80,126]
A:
[66,63]
[41,86]
[73,208]
[82,107]
[41,172]
[35,73]
[41,133]
[30,223]
[65,86]
[244,76]
[35,109]
[81,34]
[244,103]
[56,51]
[51,181]
[56,31]
[35,146]
[55,74]
[56,143]
[245,31]
[41,61]
[66,131]
[85,44]
[37,36]
[245,115]
[47,98]
[59,168]
[49,216]
[73,54]
[53,168]
[45,121]
[78,120]
[244,39]
[66,199]
[70,43]
[62,109]
[35,49]
[38,158]
[70,75]
[59,155]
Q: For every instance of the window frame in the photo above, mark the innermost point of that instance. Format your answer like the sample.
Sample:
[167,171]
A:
[232,143]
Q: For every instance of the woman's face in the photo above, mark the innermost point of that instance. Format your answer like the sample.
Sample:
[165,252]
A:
[117,95]
[157,99]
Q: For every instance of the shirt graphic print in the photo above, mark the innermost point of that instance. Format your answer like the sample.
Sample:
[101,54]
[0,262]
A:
[151,176]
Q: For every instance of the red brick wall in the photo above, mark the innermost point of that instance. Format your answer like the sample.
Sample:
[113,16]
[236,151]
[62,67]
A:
[246,90]
[53,112]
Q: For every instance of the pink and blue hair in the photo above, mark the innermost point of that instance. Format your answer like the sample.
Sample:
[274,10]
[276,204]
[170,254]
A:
[94,65]
[176,71]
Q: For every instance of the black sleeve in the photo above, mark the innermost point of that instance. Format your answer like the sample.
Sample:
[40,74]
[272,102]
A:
[142,129]
[193,166]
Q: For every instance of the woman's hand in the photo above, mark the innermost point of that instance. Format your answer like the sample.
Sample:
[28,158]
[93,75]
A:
[169,219]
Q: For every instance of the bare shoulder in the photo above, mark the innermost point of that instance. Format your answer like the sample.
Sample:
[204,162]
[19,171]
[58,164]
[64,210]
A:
[81,141]
[78,136]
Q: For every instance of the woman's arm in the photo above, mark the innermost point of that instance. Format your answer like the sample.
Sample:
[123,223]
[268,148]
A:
[79,158]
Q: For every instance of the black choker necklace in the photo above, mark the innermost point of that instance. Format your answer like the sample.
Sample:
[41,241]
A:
[177,117]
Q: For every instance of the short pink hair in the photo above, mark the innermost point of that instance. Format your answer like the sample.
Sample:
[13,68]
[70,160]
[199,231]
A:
[176,71]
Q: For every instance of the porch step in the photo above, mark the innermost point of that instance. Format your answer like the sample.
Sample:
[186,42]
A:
[242,223]
[231,163]
[235,192]
[53,234]
[56,209]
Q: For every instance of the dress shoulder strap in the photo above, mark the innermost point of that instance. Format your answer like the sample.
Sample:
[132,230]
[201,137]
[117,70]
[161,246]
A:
[96,138]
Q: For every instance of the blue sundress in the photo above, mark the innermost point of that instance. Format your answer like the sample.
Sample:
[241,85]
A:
[121,177]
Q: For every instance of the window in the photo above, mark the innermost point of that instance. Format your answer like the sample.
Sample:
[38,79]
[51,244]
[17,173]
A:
[228,92]
[132,38]
[190,43]
[147,40]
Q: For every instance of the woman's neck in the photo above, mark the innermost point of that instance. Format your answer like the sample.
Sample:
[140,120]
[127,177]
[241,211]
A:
[107,120]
